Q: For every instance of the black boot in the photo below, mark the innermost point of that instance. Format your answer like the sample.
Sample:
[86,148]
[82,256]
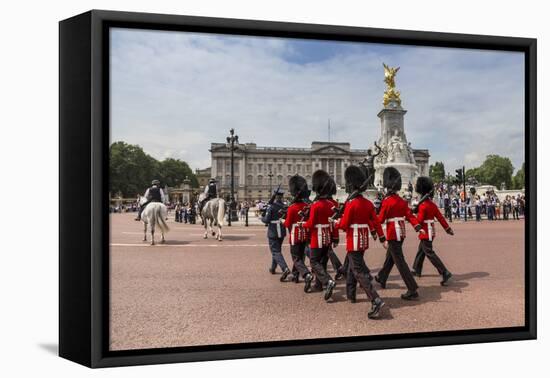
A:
[446,277]
[409,295]
[415,273]
[308,278]
[382,283]
[285,275]
[328,290]
[352,298]
[339,274]
[377,305]
[272,270]
[296,277]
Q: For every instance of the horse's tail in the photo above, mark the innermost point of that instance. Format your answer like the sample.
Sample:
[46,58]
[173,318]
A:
[221,211]
[161,218]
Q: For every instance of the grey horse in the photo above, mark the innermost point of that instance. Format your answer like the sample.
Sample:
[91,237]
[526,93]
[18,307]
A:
[213,214]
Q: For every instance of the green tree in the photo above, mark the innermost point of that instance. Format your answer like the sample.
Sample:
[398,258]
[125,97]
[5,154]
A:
[437,171]
[174,171]
[518,181]
[474,173]
[131,170]
[495,170]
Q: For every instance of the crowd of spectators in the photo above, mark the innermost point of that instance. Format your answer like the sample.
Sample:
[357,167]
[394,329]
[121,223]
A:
[488,205]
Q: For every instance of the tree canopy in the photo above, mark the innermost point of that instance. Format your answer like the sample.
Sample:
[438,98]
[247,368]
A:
[518,181]
[437,171]
[131,170]
[495,170]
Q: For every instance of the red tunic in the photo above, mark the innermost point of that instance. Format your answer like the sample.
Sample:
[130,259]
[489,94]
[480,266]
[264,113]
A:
[427,211]
[334,230]
[297,234]
[318,224]
[358,220]
[395,210]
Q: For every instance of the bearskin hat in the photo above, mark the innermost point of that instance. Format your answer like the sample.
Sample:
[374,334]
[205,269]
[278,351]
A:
[319,182]
[392,179]
[355,177]
[297,186]
[424,185]
[331,187]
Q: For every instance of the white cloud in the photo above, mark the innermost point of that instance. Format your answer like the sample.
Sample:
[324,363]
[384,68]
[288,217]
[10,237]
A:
[174,93]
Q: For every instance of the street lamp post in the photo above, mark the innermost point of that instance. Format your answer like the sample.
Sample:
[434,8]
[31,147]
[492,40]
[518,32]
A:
[270,175]
[231,140]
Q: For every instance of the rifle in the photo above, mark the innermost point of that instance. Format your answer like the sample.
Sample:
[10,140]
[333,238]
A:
[271,200]
[339,211]
[422,199]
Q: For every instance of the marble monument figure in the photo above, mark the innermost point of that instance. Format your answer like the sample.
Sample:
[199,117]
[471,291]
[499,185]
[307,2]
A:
[393,147]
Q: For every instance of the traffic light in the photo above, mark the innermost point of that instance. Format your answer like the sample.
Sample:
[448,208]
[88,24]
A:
[459,175]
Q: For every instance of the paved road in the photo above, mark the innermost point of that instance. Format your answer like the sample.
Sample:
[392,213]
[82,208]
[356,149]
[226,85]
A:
[192,291]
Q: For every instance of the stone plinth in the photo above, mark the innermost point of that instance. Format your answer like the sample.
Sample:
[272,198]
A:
[396,150]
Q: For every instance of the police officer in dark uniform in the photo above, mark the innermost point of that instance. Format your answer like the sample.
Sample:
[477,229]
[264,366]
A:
[210,191]
[276,233]
[153,194]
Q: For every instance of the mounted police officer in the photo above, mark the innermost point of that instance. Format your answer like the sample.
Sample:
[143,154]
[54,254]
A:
[210,191]
[152,194]
[276,233]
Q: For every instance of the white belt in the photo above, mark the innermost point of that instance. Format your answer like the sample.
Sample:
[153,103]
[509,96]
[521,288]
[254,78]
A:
[278,222]
[356,227]
[430,223]
[396,221]
[320,232]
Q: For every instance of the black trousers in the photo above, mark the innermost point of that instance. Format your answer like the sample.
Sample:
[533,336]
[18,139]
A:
[425,249]
[298,253]
[319,261]
[394,255]
[334,260]
[345,267]
[358,272]
[448,213]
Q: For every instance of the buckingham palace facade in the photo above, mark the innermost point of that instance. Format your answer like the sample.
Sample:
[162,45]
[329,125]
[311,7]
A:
[259,169]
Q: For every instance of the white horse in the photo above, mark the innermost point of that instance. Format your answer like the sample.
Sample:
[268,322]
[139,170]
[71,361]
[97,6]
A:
[153,214]
[213,213]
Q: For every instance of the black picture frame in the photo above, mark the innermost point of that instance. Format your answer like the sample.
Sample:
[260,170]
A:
[83,159]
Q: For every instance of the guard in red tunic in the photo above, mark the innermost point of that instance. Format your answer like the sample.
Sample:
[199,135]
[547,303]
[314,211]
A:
[320,230]
[427,214]
[394,211]
[332,256]
[359,219]
[298,236]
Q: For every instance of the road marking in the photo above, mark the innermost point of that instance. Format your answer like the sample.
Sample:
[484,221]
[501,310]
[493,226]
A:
[224,234]
[220,244]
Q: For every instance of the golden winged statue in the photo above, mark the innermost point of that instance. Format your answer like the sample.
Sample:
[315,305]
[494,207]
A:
[390,94]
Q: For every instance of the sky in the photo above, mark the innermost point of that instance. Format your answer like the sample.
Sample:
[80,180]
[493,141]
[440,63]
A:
[174,93]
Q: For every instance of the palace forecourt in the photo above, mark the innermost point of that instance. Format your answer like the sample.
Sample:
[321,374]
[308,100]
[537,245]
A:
[192,291]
